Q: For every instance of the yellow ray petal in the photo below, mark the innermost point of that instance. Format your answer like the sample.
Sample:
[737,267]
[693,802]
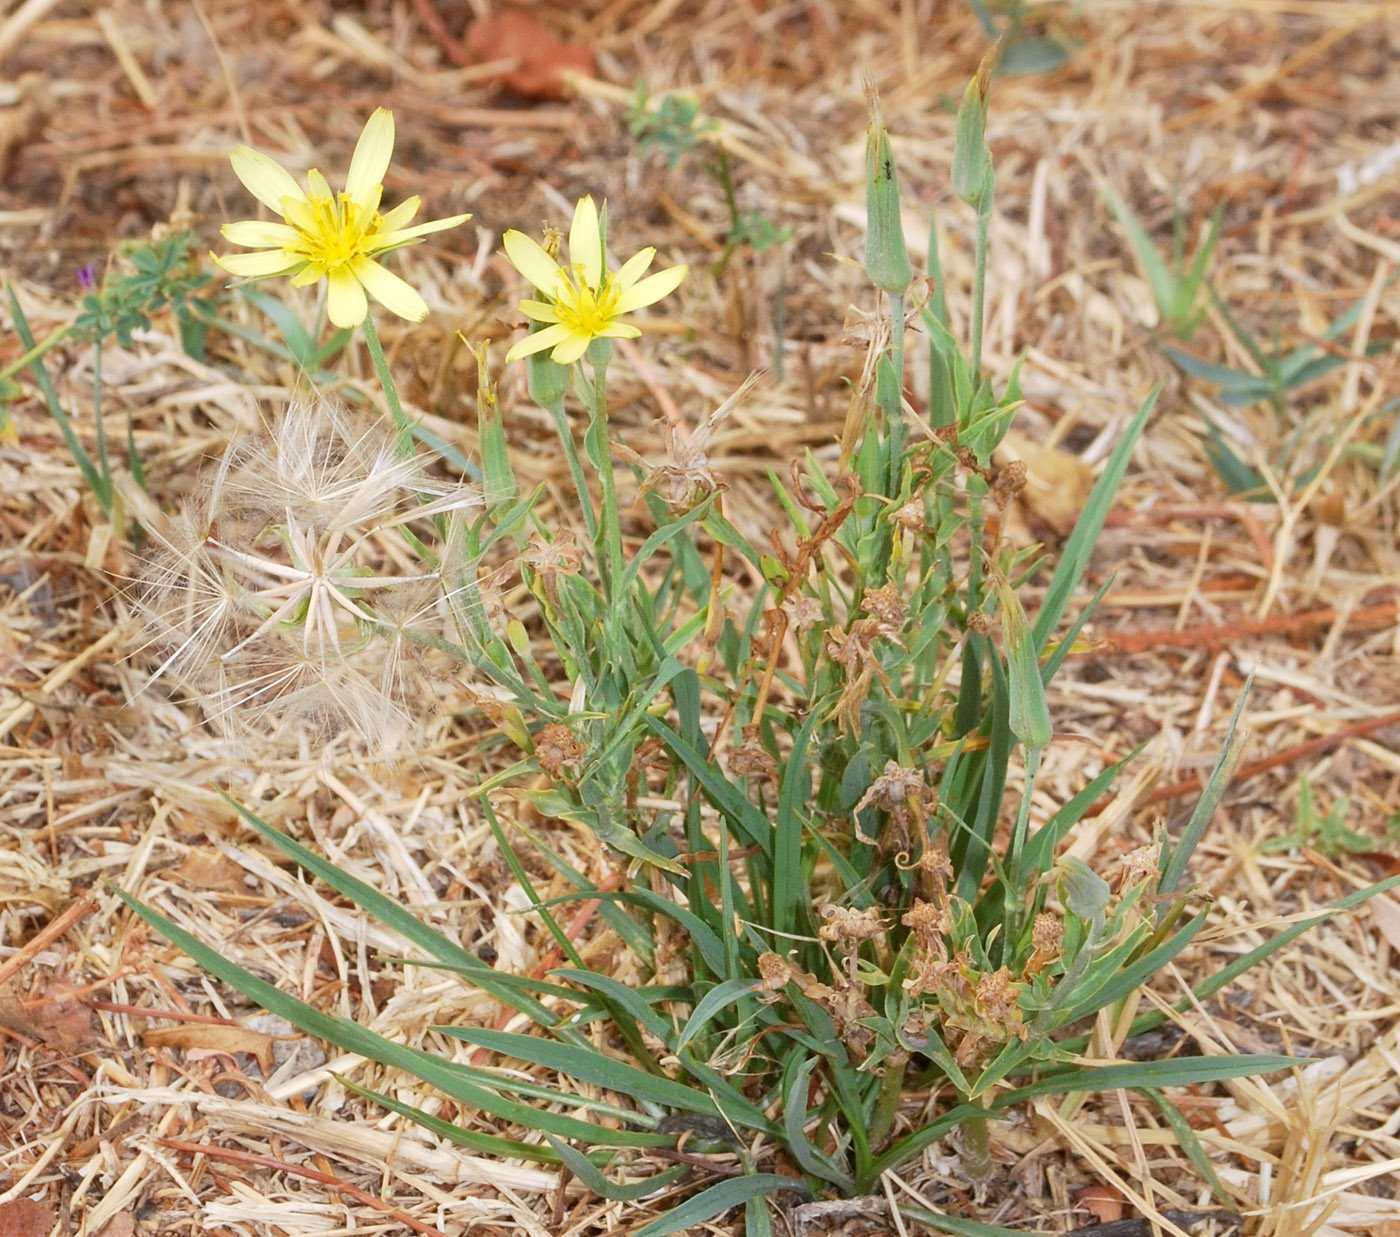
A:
[571,349]
[263,177]
[257,265]
[634,266]
[530,259]
[586,242]
[393,220]
[538,341]
[317,186]
[402,236]
[389,290]
[346,305]
[651,289]
[539,311]
[371,158]
[254,234]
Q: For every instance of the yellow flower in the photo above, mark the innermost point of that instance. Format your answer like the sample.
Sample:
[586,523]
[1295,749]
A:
[584,302]
[335,237]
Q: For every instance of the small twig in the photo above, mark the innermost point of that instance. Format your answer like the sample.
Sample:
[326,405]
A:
[1143,1228]
[552,958]
[1299,751]
[1210,634]
[310,1174]
[440,34]
[50,932]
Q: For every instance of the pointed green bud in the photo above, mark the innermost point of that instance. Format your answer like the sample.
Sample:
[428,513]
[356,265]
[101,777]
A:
[1030,715]
[886,256]
[490,430]
[972,161]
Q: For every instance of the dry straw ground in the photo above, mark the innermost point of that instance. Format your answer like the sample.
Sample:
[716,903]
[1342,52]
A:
[137,1095]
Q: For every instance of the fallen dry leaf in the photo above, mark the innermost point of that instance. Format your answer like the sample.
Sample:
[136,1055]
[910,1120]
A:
[1385,914]
[203,871]
[57,1014]
[1057,483]
[208,1037]
[541,57]
[23,1217]
[121,1225]
[1102,1202]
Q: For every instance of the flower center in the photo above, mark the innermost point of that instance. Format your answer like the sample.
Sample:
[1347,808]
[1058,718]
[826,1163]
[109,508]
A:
[331,231]
[583,309]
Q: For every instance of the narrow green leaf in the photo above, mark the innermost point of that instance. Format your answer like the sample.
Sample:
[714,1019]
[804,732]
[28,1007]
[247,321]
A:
[1239,966]
[1080,545]
[1029,715]
[727,797]
[395,917]
[587,1065]
[490,1144]
[1133,976]
[1175,858]
[721,996]
[796,1080]
[586,1171]
[1177,1072]
[718,1199]
[455,1081]
[1161,280]
[75,447]
[1188,1142]
[957,1224]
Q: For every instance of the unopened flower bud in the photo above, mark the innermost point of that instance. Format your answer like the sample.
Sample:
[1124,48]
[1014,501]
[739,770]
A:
[886,255]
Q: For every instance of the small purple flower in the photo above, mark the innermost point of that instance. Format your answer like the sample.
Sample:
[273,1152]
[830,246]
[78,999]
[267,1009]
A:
[87,277]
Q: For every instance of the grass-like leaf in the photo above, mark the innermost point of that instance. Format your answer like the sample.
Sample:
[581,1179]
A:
[1087,529]
[349,1036]
[1177,1072]
[718,1199]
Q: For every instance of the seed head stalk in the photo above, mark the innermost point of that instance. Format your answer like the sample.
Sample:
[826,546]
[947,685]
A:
[391,391]
[608,535]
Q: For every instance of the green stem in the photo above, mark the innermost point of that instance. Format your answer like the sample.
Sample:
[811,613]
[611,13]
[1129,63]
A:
[977,1162]
[1016,885]
[887,1104]
[391,392]
[566,439]
[894,416]
[52,340]
[979,291]
[608,535]
[103,461]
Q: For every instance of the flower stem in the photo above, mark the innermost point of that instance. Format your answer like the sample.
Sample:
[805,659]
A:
[979,291]
[391,392]
[566,439]
[887,1103]
[977,1160]
[608,537]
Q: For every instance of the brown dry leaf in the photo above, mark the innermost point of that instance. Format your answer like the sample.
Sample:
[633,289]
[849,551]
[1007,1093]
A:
[1102,1202]
[23,1217]
[1057,483]
[57,1014]
[207,1037]
[204,871]
[541,57]
[1385,914]
[121,1225]
[1388,1228]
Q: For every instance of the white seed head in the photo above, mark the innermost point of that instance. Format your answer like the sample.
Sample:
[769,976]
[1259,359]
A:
[304,593]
